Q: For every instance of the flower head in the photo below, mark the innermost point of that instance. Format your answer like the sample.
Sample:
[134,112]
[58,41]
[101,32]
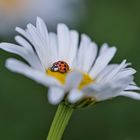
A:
[74,71]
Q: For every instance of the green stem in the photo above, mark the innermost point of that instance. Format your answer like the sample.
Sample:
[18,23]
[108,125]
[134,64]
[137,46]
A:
[60,122]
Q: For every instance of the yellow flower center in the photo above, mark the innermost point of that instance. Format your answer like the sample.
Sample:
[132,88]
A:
[62,78]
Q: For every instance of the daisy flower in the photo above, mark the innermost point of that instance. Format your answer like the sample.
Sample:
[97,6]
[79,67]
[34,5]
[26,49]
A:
[75,70]
[20,12]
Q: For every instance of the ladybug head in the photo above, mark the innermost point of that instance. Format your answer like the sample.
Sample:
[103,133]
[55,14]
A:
[54,68]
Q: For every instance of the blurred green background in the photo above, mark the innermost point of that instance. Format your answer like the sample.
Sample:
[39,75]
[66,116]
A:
[25,113]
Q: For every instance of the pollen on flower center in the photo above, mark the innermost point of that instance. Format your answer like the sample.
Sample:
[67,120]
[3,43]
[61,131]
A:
[62,78]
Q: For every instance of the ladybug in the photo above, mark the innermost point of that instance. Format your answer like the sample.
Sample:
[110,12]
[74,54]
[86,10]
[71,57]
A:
[60,66]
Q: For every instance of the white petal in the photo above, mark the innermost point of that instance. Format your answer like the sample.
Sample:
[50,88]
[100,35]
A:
[55,95]
[22,32]
[84,46]
[25,34]
[40,77]
[105,73]
[89,56]
[75,95]
[90,90]
[130,94]
[115,71]
[43,33]
[102,61]
[132,87]
[104,48]
[74,38]
[39,44]
[42,29]
[21,41]
[107,90]
[114,88]
[63,41]
[53,47]
[28,34]
[73,80]
[29,56]
[125,73]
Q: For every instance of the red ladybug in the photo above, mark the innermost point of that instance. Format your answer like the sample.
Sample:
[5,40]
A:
[60,66]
